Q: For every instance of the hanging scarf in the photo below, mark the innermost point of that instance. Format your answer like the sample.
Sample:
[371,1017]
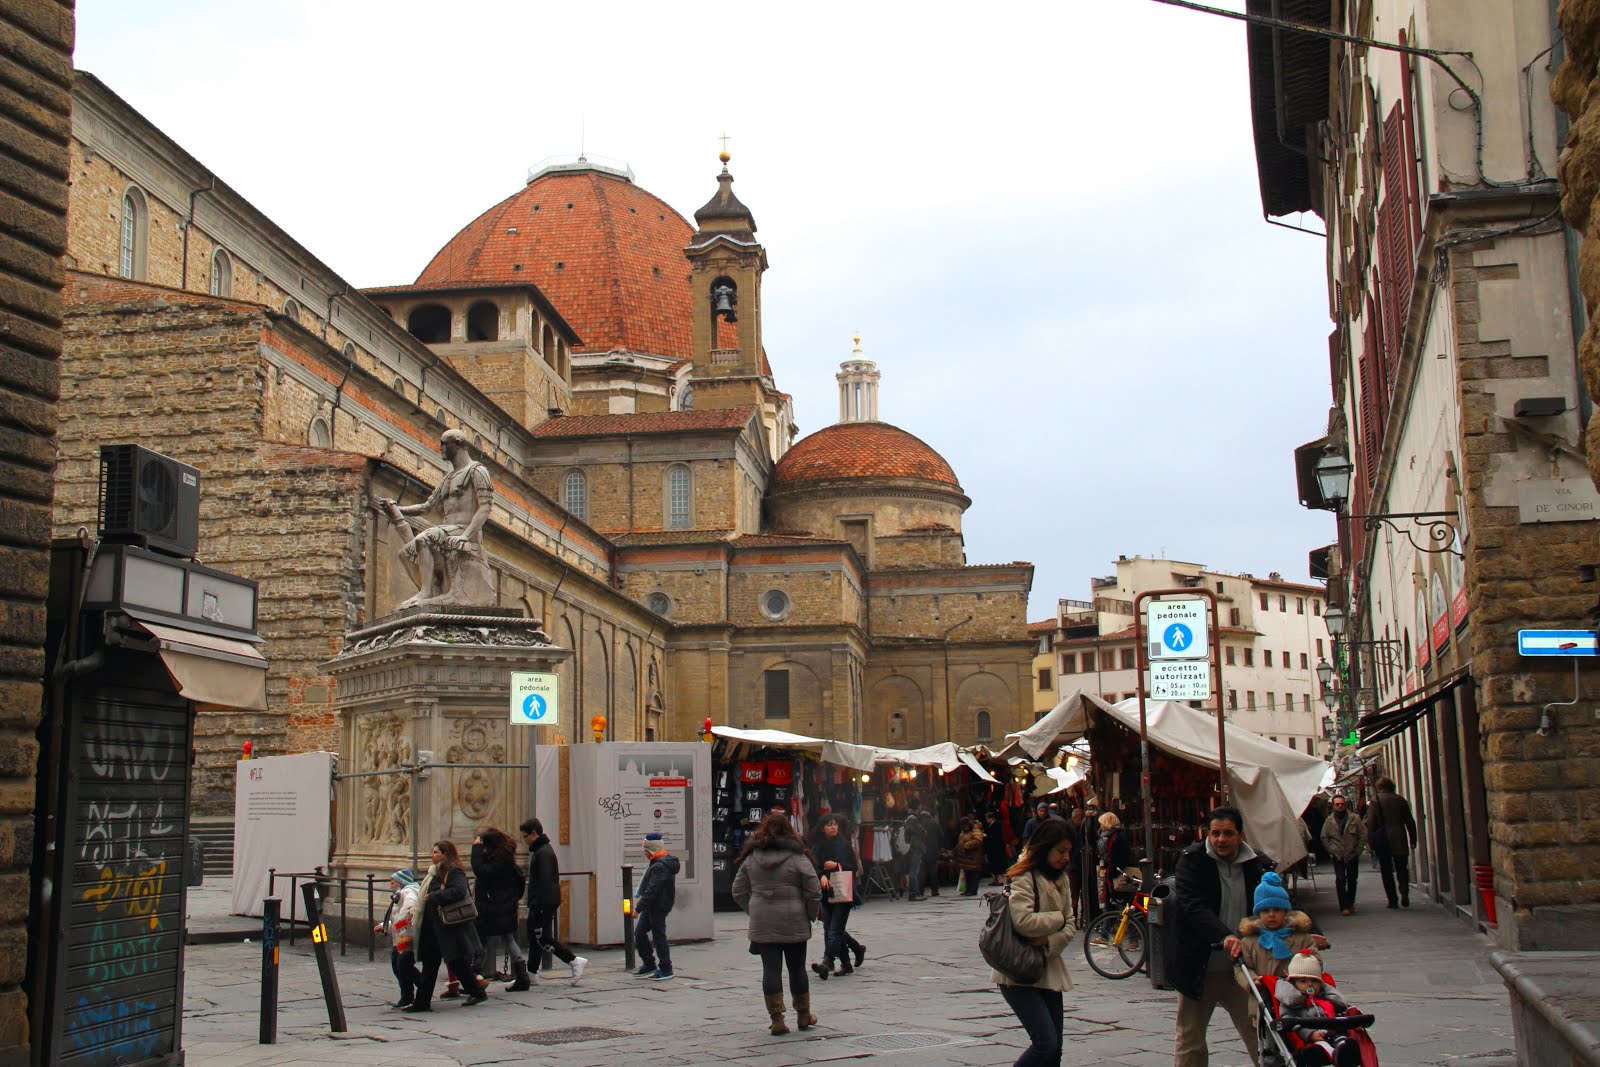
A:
[1277,942]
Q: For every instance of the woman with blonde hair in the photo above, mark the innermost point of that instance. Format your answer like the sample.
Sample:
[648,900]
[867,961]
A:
[1116,852]
[1041,912]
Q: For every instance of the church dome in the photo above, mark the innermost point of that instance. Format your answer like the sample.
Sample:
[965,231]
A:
[859,452]
[607,254]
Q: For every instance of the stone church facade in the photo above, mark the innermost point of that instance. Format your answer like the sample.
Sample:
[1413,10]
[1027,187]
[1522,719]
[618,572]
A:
[605,356]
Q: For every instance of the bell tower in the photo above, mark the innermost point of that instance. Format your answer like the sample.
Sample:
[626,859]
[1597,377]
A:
[725,263]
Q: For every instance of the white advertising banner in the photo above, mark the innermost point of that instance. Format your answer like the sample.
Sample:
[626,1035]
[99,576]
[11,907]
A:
[282,820]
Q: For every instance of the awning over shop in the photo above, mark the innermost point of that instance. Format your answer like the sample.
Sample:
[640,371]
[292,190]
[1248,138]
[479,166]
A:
[1271,783]
[1402,714]
[211,670]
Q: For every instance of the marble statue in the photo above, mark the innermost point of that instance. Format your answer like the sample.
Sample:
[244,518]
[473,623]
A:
[446,559]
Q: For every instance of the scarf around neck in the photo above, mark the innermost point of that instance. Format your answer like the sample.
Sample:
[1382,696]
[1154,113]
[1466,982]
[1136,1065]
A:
[1277,942]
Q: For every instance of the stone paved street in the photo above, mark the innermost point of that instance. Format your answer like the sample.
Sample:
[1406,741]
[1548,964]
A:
[922,998]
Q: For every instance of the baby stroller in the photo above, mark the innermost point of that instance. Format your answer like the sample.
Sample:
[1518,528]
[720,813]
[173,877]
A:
[1276,1037]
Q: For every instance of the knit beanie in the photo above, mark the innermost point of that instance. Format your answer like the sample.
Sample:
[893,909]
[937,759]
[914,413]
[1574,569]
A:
[1305,965]
[1270,893]
[654,844]
[404,877]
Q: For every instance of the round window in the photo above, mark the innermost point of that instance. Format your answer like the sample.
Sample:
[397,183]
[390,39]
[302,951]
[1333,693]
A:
[775,604]
[660,603]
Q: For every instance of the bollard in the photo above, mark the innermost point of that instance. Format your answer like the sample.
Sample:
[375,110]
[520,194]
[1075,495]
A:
[627,915]
[319,943]
[272,881]
[372,939]
[270,908]
[294,880]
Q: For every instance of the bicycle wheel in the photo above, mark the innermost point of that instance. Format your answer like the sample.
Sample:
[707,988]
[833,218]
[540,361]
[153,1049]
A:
[1114,948]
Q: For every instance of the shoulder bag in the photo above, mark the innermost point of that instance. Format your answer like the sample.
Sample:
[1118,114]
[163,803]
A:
[464,910]
[1003,948]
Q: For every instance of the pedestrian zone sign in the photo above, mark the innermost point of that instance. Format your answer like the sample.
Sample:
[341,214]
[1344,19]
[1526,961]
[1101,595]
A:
[535,699]
[1177,629]
[1180,679]
[1557,643]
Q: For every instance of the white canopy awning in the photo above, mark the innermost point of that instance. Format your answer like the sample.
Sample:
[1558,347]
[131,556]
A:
[207,669]
[1271,783]
[945,756]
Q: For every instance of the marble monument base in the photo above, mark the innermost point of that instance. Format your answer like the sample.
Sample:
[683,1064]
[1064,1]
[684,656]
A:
[428,681]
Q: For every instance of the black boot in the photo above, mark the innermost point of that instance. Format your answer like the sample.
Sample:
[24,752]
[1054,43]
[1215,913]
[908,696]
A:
[519,972]
[860,951]
[821,970]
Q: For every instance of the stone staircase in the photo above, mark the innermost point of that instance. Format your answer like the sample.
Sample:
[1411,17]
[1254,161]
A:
[216,833]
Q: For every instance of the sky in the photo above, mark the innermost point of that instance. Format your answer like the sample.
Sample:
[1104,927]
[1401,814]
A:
[1043,219]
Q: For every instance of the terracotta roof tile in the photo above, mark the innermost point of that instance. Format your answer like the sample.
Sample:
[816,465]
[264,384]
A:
[769,540]
[854,450]
[734,418]
[1048,626]
[608,254]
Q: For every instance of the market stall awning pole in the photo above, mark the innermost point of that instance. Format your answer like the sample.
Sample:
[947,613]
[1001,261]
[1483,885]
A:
[1222,736]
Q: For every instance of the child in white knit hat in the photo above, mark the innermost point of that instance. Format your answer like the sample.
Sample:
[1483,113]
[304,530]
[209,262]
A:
[1307,994]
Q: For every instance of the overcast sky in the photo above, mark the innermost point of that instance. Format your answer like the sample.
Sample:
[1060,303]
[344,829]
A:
[1043,219]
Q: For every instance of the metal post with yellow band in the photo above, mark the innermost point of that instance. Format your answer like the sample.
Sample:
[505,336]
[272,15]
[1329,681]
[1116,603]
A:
[319,944]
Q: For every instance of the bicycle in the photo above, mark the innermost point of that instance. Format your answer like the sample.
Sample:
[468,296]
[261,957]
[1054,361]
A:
[1117,943]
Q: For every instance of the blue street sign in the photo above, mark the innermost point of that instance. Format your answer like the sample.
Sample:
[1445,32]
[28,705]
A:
[1557,643]
[1178,637]
[534,707]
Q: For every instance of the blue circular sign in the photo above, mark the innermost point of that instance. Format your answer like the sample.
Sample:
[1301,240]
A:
[534,707]
[1178,637]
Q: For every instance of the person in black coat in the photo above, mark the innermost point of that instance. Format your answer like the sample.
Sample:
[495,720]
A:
[441,942]
[995,854]
[1215,885]
[833,853]
[497,888]
[544,901]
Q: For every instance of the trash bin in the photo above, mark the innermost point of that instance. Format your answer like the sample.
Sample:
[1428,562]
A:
[1162,936]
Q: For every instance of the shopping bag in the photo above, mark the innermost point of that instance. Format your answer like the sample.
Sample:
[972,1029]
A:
[841,886]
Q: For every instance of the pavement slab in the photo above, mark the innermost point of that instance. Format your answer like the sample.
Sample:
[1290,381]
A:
[922,998]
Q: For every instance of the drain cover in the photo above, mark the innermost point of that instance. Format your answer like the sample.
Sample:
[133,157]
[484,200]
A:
[899,1042]
[567,1035]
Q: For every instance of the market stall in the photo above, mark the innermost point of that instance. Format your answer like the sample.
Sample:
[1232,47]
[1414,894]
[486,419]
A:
[1270,783]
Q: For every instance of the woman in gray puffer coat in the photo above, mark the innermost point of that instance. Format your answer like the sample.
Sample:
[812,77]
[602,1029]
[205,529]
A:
[777,884]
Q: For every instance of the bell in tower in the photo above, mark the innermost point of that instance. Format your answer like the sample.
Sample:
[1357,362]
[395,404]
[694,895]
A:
[724,299]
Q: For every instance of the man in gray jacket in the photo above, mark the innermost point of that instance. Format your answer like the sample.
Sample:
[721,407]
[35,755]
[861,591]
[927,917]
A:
[1393,832]
[1345,838]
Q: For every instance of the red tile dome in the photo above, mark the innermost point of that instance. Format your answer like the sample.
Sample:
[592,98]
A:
[607,254]
[861,450]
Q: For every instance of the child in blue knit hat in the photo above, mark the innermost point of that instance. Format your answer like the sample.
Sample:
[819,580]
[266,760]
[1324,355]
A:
[399,922]
[1276,932]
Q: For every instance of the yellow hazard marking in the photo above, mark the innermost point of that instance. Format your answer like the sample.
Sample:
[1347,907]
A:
[319,934]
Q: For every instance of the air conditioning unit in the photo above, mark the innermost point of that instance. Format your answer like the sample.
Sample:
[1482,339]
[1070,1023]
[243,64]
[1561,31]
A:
[150,500]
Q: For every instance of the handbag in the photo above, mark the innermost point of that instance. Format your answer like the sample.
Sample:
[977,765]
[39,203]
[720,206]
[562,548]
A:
[1003,948]
[462,911]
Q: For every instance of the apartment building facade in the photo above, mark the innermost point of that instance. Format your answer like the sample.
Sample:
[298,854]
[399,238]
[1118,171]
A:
[1424,138]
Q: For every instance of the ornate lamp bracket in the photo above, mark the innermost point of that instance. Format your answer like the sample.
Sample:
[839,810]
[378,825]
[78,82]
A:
[1437,527]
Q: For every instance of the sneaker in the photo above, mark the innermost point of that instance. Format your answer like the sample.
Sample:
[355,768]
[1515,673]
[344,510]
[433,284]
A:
[578,964]
[662,976]
[647,971]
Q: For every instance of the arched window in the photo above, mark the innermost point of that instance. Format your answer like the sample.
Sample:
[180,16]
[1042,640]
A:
[429,324]
[679,498]
[483,322]
[547,347]
[577,494]
[135,234]
[221,273]
[983,726]
[291,308]
[319,434]
[897,727]
[686,397]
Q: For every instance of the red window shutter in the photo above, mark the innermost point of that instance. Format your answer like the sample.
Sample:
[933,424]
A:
[1395,260]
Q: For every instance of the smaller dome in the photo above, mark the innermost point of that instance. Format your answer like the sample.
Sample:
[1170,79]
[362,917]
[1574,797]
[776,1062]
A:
[855,451]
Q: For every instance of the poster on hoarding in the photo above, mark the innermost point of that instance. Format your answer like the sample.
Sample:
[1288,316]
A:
[655,794]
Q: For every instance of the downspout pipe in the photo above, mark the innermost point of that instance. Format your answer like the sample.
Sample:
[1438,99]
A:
[1577,310]
[188,223]
[949,718]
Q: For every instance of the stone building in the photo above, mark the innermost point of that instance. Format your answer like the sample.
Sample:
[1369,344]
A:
[1458,417]
[1272,637]
[36,60]
[605,356]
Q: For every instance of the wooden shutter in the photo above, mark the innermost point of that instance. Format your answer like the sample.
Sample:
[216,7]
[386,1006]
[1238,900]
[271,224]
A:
[1396,264]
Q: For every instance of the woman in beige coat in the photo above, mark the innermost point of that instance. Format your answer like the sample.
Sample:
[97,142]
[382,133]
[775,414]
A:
[1041,911]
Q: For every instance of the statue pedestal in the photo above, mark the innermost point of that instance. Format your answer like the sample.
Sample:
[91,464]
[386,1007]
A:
[431,681]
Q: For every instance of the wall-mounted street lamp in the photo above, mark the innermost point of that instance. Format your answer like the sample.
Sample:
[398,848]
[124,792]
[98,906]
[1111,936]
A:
[1438,527]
